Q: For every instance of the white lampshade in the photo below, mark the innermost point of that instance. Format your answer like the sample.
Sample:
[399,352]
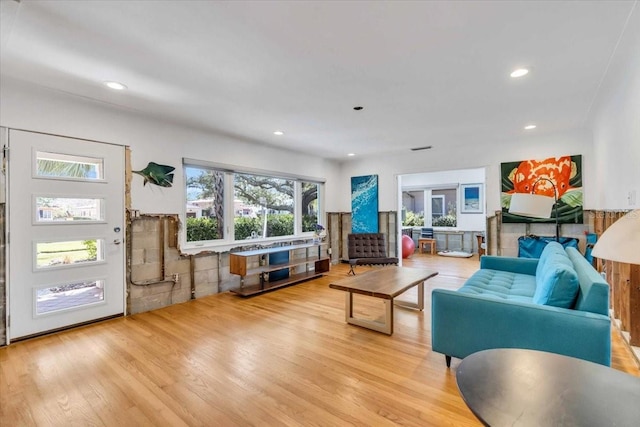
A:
[531,205]
[621,241]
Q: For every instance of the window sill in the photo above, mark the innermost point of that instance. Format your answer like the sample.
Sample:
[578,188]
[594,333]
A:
[191,248]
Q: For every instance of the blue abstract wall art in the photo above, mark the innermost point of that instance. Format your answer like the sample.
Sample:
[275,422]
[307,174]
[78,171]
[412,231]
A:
[364,204]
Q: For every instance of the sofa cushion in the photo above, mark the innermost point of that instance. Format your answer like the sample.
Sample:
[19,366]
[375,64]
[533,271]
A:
[557,285]
[553,251]
[501,285]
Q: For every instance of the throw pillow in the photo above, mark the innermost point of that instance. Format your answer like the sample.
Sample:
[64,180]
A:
[554,251]
[557,285]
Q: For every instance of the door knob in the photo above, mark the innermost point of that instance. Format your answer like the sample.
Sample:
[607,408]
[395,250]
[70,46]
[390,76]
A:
[116,242]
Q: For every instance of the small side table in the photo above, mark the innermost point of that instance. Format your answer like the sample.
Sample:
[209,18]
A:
[508,386]
[427,241]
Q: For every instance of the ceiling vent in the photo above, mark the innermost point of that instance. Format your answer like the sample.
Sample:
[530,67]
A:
[428,147]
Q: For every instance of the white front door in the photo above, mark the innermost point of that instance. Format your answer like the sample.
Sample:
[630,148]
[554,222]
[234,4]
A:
[66,232]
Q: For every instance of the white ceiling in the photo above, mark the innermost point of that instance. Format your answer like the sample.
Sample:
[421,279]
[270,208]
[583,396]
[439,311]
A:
[426,73]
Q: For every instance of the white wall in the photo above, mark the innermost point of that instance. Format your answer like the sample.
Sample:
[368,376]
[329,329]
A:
[29,107]
[615,120]
[483,154]
[609,144]
[474,222]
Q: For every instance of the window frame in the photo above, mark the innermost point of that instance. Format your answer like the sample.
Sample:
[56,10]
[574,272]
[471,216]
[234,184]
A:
[228,240]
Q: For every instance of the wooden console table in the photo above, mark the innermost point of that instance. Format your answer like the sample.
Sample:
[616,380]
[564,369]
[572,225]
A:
[422,241]
[279,268]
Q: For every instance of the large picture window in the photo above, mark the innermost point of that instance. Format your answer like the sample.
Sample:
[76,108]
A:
[260,205]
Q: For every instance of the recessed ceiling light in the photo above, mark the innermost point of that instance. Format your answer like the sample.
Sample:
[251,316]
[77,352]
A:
[115,85]
[278,132]
[519,72]
[529,127]
[351,154]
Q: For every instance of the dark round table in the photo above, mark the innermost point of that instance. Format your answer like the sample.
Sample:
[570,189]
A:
[516,387]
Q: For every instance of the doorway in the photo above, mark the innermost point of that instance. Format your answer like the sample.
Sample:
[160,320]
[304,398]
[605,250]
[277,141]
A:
[442,203]
[66,249]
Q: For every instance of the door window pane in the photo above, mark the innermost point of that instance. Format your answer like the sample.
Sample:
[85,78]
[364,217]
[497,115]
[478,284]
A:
[70,295]
[72,252]
[63,210]
[56,165]
[205,204]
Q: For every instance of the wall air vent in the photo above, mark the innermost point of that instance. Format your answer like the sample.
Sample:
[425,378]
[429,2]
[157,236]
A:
[428,147]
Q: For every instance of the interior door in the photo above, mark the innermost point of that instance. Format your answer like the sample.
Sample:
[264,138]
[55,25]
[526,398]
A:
[66,232]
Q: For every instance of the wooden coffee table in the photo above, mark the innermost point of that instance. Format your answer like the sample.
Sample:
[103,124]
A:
[385,283]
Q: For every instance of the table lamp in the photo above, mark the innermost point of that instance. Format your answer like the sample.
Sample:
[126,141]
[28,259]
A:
[621,241]
[536,205]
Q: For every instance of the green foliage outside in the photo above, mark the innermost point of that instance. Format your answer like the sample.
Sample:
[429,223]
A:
[449,220]
[412,219]
[309,222]
[92,249]
[244,226]
[204,228]
[445,221]
[277,225]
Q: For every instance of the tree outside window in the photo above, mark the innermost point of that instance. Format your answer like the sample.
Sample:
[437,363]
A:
[310,205]
[205,204]
[263,206]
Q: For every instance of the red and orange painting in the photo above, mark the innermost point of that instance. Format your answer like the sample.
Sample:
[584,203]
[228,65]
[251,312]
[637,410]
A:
[539,177]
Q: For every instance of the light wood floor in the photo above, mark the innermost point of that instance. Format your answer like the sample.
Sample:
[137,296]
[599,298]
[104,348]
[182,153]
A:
[282,358]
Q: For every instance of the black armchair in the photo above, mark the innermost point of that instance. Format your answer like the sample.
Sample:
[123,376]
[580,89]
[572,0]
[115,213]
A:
[368,249]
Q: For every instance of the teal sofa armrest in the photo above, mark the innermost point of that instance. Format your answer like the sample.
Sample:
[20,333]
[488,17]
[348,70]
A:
[463,324]
[513,265]
[594,290]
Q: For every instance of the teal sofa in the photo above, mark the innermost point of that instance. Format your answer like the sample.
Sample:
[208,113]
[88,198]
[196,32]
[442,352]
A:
[557,303]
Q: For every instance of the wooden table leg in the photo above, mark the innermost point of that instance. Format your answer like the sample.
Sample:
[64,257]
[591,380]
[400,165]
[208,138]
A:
[419,304]
[348,307]
[385,327]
